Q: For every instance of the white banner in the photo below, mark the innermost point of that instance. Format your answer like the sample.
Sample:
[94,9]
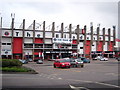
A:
[62,40]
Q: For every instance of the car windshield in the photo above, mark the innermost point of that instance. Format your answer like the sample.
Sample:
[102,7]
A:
[78,60]
[39,60]
[64,60]
[82,58]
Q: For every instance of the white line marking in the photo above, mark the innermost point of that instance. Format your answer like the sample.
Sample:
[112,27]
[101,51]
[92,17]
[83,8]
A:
[113,74]
[78,88]
[59,78]
[108,84]
[96,83]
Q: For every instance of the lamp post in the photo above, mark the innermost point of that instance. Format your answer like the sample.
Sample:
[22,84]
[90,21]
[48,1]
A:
[0,36]
[12,27]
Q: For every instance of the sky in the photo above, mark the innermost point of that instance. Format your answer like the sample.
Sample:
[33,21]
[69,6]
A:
[82,12]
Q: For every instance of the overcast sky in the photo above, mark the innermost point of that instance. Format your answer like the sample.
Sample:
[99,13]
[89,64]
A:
[80,12]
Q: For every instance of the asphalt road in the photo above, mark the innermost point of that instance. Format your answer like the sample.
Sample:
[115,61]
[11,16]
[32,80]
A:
[94,75]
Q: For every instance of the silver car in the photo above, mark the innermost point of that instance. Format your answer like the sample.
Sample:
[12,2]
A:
[103,59]
[76,62]
[39,61]
[23,61]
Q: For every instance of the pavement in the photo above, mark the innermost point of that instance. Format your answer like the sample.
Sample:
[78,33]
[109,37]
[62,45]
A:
[96,75]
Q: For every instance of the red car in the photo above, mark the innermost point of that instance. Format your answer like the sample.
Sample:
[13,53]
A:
[61,63]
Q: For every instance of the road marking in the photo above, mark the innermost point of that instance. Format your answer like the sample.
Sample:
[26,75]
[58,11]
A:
[70,70]
[96,83]
[76,71]
[59,78]
[113,74]
[78,88]
[108,84]
[80,80]
[51,76]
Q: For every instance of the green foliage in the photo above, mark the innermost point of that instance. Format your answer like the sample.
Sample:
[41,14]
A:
[10,62]
[13,65]
[16,69]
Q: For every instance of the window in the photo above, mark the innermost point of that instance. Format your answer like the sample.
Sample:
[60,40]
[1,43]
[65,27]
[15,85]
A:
[8,43]
[64,35]
[3,43]
[57,35]
[80,40]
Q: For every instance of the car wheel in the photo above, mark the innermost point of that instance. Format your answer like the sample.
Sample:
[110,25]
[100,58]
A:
[54,66]
[82,66]
[69,67]
[76,65]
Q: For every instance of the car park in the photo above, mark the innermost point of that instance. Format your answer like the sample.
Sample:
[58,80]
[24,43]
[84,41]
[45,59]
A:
[23,61]
[76,62]
[61,63]
[39,61]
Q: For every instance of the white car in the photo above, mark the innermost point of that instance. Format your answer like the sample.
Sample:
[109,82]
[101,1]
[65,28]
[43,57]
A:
[23,61]
[97,58]
[103,59]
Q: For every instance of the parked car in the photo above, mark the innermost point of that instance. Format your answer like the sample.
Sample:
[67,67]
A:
[23,61]
[76,62]
[35,60]
[103,59]
[30,60]
[61,63]
[51,59]
[85,60]
[97,58]
[39,61]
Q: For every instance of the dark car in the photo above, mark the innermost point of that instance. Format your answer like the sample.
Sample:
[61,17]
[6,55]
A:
[85,60]
[39,61]
[36,59]
[61,63]
[76,62]
[118,58]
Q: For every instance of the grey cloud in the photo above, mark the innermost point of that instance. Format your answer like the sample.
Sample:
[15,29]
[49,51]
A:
[45,7]
[106,7]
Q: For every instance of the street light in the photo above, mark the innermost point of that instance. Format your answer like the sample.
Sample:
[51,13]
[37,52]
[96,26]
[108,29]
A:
[0,36]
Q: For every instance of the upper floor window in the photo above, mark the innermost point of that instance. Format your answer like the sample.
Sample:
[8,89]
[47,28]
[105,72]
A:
[65,36]
[73,37]
[4,43]
[57,35]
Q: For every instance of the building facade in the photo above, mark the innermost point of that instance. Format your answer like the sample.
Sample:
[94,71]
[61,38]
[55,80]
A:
[50,44]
